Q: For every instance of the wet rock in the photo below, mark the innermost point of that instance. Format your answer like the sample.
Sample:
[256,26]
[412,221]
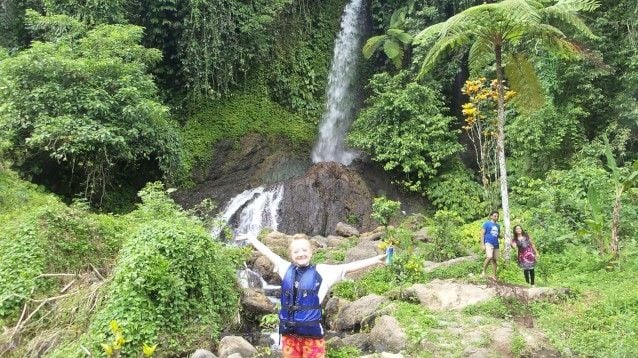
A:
[358,313]
[235,345]
[326,195]
[422,235]
[363,250]
[202,353]
[346,230]
[332,309]
[278,242]
[256,302]
[361,341]
[376,234]
[449,294]
[528,294]
[387,335]
[383,355]
[264,267]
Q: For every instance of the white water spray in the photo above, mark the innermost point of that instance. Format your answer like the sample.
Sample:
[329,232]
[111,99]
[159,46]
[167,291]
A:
[340,92]
[259,209]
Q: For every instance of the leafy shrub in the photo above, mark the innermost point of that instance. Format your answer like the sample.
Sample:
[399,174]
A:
[83,107]
[403,128]
[172,283]
[455,190]
[445,236]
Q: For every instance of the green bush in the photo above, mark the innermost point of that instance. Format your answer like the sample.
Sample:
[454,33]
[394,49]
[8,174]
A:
[172,284]
[236,116]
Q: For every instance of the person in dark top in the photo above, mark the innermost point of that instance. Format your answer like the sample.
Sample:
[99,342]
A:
[527,253]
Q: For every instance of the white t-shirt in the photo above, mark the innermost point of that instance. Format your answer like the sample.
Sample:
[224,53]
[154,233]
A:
[330,274]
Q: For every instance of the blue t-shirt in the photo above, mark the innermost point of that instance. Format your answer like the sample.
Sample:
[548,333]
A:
[491,233]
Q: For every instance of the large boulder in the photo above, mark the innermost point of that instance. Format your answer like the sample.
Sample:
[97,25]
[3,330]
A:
[333,307]
[387,335]
[256,302]
[449,294]
[202,353]
[363,250]
[264,267]
[359,313]
[346,230]
[230,345]
[326,195]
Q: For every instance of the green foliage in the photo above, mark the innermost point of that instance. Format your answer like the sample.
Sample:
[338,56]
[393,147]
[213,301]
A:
[383,209]
[172,283]
[91,12]
[81,110]
[496,308]
[41,235]
[343,352]
[415,320]
[403,128]
[445,236]
[377,281]
[601,321]
[394,40]
[456,190]
[234,117]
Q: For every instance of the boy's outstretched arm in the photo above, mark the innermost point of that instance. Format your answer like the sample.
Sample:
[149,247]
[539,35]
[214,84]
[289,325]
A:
[273,257]
[361,264]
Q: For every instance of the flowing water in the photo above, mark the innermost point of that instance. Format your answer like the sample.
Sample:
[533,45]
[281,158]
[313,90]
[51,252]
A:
[254,209]
[340,94]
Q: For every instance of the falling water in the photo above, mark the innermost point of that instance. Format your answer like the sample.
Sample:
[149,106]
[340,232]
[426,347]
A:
[340,92]
[258,208]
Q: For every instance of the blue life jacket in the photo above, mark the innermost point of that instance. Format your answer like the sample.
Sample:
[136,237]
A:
[300,312]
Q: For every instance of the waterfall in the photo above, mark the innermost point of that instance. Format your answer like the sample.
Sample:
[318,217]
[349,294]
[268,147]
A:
[340,92]
[257,208]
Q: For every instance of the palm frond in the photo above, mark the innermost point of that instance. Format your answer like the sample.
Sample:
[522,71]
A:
[566,13]
[441,47]
[428,34]
[480,56]
[400,35]
[522,78]
[577,5]
[372,45]
[555,41]
[393,49]
[398,17]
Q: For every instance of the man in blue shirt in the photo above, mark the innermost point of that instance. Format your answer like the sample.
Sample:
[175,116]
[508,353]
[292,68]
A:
[489,241]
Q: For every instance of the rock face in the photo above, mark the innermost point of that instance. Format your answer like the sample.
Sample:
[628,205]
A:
[230,345]
[202,353]
[358,313]
[346,230]
[448,294]
[387,335]
[328,194]
[256,302]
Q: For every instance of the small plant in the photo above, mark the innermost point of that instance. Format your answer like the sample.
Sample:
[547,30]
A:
[113,348]
[269,322]
[343,352]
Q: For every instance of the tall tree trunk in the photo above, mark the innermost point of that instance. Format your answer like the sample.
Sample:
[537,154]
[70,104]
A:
[615,223]
[500,148]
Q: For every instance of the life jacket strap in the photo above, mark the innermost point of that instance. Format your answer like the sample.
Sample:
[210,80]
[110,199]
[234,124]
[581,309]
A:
[301,324]
[300,308]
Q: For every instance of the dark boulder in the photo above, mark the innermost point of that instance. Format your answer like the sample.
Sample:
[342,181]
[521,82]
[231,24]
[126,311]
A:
[328,194]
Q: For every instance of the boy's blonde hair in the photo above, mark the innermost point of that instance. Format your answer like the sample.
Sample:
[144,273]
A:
[299,239]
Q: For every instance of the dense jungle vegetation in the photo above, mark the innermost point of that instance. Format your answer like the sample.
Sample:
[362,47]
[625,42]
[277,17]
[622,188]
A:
[106,104]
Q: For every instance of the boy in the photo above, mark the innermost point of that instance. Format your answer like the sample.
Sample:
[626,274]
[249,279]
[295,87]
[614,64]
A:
[490,232]
[303,288]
